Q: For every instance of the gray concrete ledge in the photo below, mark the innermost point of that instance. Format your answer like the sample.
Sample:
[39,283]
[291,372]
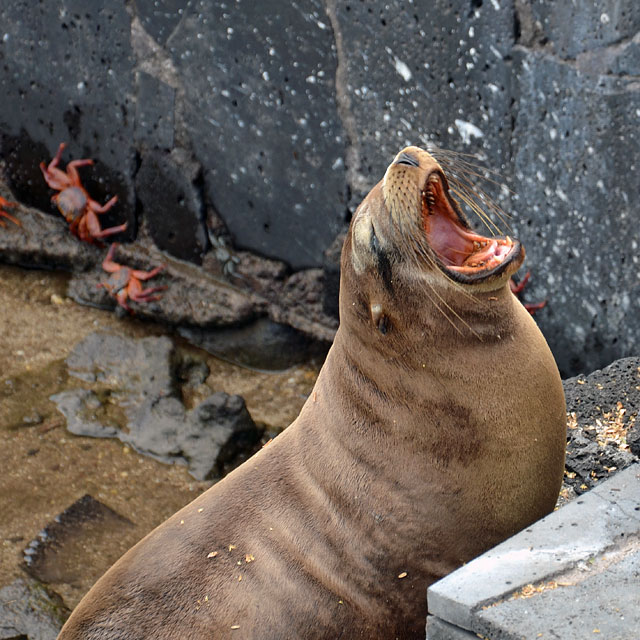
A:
[573,574]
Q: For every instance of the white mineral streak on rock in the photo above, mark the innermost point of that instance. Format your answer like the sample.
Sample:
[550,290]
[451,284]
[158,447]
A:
[467,131]
[403,69]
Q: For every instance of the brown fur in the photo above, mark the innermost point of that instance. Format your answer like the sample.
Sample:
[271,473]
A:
[418,449]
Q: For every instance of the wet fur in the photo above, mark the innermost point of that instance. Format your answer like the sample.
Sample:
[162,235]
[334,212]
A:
[419,448]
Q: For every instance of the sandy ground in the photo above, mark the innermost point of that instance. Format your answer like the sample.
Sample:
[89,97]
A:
[45,469]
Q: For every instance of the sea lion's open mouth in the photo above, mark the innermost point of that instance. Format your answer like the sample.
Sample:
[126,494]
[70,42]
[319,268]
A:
[464,255]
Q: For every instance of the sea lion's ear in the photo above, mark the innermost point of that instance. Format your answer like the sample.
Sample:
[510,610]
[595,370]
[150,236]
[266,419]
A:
[369,236]
[369,249]
[361,235]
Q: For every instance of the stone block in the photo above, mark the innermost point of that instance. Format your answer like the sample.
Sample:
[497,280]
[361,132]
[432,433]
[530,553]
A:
[568,574]
[575,207]
[263,122]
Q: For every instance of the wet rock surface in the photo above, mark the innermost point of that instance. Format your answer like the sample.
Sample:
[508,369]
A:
[30,611]
[135,398]
[78,539]
[603,429]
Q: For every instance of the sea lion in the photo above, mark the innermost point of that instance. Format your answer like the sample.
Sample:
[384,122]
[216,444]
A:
[435,430]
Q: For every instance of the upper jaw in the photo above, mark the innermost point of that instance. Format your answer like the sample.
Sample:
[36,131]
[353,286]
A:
[465,256]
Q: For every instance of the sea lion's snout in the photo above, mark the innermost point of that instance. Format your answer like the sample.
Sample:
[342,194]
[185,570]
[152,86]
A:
[420,203]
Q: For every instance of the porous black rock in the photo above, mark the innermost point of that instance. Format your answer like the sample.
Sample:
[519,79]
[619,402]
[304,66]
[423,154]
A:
[155,102]
[426,72]
[160,17]
[603,409]
[577,218]
[568,29]
[263,122]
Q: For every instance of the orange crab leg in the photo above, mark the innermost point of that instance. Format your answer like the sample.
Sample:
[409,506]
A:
[4,214]
[93,229]
[145,275]
[72,170]
[121,297]
[101,208]
[137,293]
[108,264]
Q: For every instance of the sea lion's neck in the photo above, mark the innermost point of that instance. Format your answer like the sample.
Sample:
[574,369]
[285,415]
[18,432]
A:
[430,332]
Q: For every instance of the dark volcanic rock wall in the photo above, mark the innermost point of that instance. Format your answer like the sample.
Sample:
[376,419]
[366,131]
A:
[264,123]
[66,77]
[260,110]
[576,168]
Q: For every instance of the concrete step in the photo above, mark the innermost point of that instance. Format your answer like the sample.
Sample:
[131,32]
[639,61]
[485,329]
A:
[573,575]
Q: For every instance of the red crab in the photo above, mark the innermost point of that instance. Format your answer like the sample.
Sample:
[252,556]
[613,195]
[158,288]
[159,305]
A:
[125,283]
[518,288]
[3,214]
[73,201]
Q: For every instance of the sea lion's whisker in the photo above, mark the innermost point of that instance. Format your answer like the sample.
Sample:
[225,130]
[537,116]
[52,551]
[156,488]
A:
[453,311]
[479,203]
[458,170]
[427,257]
[457,159]
[491,226]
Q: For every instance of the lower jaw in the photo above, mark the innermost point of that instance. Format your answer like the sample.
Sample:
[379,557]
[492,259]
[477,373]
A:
[493,271]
